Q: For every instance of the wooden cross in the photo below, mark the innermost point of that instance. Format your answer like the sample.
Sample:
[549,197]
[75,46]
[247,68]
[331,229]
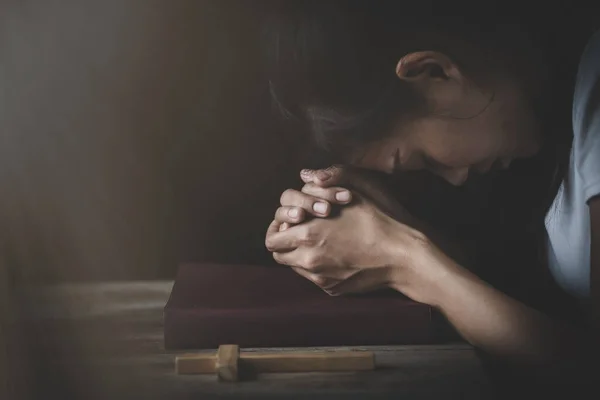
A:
[226,361]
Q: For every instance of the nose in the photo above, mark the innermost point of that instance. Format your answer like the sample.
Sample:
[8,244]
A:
[456,177]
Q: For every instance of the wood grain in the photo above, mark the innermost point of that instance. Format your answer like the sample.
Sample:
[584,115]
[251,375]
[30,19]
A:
[226,365]
[299,361]
[225,362]
[108,338]
[195,364]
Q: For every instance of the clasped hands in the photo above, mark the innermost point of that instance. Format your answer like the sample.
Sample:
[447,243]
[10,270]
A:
[368,245]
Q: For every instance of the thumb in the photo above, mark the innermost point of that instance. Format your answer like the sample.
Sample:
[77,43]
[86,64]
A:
[327,177]
[345,176]
[363,181]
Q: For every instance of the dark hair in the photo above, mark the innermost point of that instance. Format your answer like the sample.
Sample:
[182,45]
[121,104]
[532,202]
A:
[332,63]
[331,67]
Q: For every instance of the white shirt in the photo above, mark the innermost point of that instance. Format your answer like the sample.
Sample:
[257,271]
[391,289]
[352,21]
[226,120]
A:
[568,220]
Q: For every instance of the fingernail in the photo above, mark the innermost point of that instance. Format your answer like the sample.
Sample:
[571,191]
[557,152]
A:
[319,207]
[293,213]
[305,172]
[323,175]
[342,196]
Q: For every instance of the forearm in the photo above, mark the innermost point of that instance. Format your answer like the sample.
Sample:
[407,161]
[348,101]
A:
[504,327]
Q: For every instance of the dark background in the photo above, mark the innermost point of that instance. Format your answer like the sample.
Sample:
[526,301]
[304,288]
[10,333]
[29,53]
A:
[138,134]
[135,134]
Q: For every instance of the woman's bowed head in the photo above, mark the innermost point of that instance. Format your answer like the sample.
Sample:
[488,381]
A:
[392,87]
[388,93]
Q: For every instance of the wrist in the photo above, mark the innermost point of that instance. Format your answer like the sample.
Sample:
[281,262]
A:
[449,285]
[420,270]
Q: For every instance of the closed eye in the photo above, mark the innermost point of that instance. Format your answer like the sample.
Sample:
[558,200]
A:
[434,165]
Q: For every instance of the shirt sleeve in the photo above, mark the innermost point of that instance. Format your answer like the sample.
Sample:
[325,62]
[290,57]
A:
[586,119]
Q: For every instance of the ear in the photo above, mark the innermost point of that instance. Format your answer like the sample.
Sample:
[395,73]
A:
[427,65]
[442,84]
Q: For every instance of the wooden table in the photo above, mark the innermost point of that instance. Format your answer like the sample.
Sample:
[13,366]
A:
[106,339]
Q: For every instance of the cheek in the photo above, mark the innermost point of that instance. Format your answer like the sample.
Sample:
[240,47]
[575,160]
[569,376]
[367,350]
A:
[462,148]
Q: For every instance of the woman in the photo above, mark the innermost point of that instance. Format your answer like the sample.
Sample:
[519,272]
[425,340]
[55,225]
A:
[383,89]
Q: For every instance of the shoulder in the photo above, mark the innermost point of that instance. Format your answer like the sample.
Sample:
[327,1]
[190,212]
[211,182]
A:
[587,88]
[586,119]
[591,53]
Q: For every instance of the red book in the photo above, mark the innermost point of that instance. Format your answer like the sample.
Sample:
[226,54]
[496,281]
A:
[259,306]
